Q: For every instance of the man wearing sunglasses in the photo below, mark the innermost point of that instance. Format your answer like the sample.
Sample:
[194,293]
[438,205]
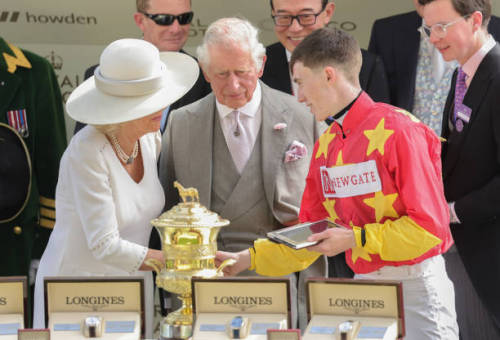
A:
[419,81]
[471,125]
[165,24]
[293,21]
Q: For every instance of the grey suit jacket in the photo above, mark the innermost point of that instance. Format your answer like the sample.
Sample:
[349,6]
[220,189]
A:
[188,147]
[187,152]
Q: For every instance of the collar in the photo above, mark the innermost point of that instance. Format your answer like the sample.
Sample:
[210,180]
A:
[12,57]
[357,113]
[470,67]
[249,109]
[339,116]
[288,55]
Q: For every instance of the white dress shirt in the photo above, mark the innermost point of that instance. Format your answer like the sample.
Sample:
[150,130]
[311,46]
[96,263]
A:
[250,117]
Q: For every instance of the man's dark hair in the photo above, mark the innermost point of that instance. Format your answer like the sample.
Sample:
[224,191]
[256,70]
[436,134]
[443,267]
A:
[466,7]
[330,46]
[323,4]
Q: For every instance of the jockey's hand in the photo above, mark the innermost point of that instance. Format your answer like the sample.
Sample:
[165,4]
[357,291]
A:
[242,261]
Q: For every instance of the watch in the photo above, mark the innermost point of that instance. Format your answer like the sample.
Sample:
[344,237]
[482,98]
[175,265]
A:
[238,327]
[348,329]
[92,327]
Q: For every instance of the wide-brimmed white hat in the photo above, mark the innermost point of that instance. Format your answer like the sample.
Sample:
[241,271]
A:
[133,80]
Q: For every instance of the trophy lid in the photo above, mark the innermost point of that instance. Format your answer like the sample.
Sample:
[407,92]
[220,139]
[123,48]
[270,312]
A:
[189,213]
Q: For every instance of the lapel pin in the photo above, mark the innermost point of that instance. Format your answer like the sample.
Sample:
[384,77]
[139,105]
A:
[279,126]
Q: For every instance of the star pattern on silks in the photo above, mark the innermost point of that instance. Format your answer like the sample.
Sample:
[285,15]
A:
[340,161]
[324,142]
[330,209]
[377,138]
[358,252]
[383,205]
[408,114]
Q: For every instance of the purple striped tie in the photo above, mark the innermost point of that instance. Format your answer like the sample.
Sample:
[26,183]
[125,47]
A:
[460,89]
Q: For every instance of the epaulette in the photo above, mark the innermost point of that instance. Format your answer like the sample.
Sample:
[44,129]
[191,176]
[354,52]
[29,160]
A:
[18,59]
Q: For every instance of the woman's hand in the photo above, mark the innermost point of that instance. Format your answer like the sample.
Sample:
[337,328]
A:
[155,255]
[242,261]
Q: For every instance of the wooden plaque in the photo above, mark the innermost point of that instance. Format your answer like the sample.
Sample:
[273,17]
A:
[254,295]
[283,334]
[14,296]
[92,295]
[356,298]
[33,334]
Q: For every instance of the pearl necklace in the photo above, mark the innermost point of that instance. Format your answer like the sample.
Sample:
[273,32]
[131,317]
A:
[126,159]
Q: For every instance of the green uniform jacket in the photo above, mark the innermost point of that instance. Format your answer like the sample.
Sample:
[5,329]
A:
[27,81]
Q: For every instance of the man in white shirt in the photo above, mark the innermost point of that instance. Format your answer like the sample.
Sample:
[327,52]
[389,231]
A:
[245,146]
[471,127]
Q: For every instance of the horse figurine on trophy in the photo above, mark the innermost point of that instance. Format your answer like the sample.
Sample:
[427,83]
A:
[184,193]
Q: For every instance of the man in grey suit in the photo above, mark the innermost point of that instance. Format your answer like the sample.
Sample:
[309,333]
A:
[245,147]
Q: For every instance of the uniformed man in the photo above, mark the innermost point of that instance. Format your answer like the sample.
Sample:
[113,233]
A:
[32,140]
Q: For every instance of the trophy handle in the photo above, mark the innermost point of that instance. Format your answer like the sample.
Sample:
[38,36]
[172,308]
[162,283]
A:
[224,264]
[155,264]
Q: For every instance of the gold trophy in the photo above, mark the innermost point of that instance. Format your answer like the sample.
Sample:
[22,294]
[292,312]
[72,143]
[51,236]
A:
[188,235]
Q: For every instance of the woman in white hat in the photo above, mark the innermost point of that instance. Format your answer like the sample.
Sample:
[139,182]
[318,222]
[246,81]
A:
[108,188]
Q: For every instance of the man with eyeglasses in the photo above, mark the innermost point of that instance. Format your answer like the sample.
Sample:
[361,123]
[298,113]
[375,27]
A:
[165,24]
[293,21]
[471,127]
[419,81]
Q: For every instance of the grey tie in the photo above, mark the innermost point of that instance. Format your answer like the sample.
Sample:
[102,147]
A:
[238,142]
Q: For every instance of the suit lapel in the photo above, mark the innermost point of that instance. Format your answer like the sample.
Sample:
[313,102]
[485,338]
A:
[201,150]
[9,84]
[473,99]
[445,126]
[273,141]
[277,66]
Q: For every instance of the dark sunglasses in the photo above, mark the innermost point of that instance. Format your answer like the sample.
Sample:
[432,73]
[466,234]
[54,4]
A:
[168,19]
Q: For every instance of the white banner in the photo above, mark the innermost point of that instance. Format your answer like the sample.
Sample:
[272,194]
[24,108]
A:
[72,34]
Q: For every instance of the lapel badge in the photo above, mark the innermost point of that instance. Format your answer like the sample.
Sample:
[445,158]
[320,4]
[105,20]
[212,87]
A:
[464,113]
[459,125]
[17,120]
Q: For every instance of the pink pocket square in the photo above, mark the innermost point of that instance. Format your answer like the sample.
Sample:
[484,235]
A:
[296,151]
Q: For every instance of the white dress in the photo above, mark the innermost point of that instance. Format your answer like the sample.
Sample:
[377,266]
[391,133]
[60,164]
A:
[102,216]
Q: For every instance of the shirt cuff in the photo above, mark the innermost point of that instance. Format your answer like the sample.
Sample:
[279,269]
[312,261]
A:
[252,258]
[453,214]
[357,236]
